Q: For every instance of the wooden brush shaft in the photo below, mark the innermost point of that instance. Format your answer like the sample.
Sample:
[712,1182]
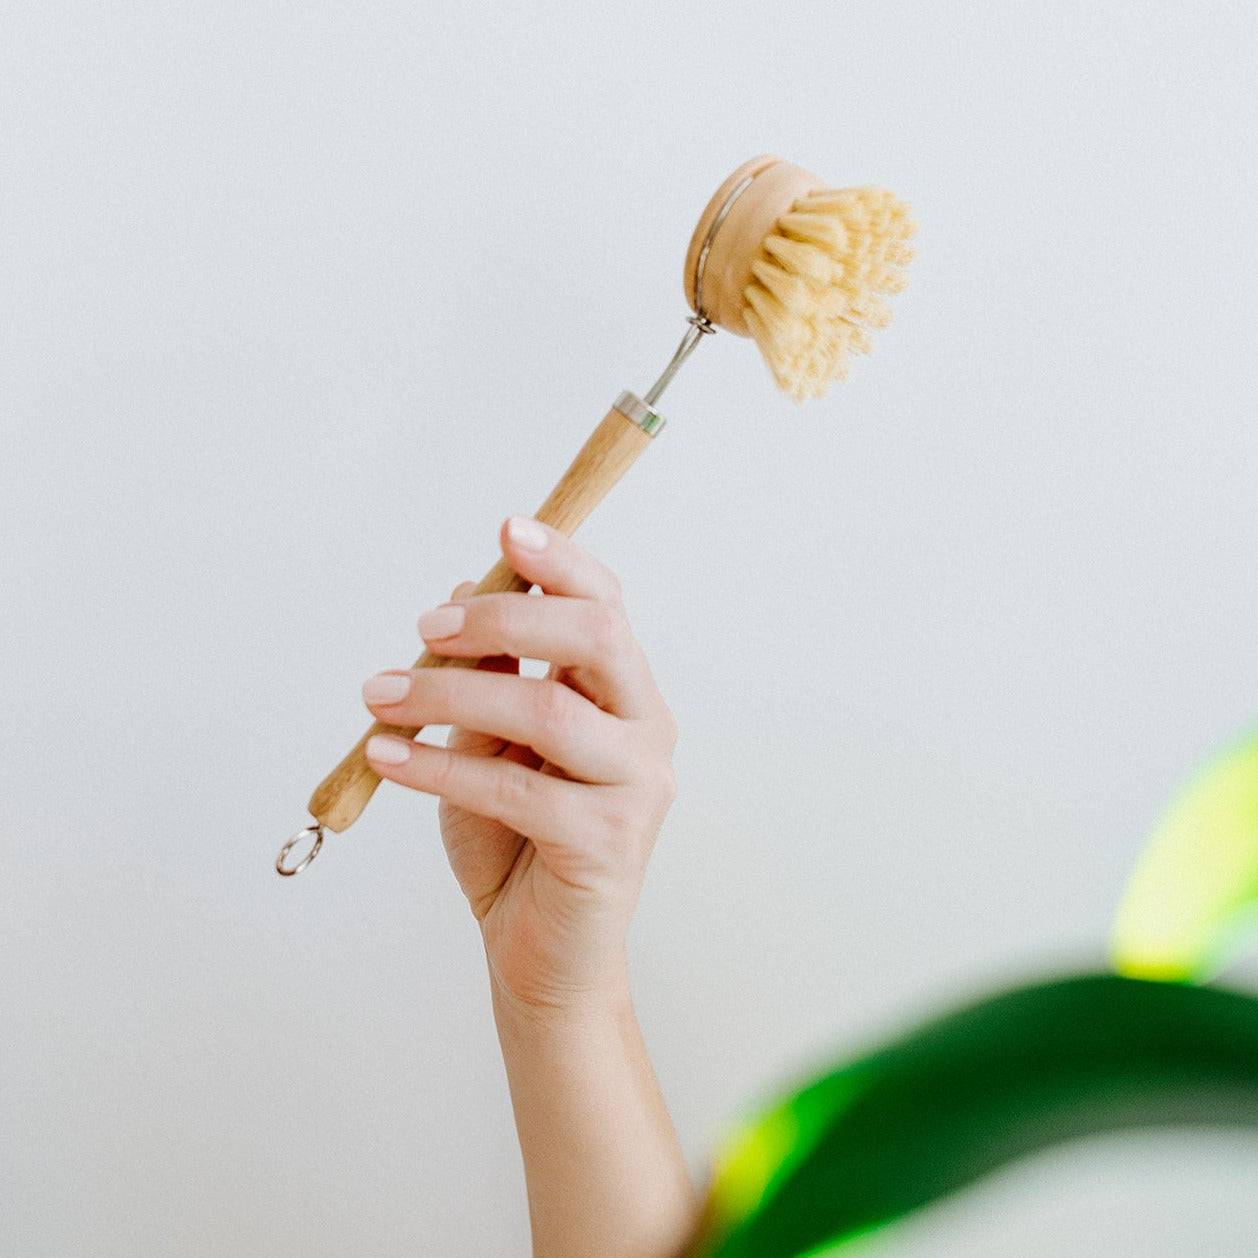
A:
[603,460]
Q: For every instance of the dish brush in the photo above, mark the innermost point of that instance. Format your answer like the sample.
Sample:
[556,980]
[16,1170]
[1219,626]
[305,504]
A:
[778,256]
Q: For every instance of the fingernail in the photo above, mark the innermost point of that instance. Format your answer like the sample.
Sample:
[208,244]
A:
[442,622]
[386,750]
[386,688]
[527,533]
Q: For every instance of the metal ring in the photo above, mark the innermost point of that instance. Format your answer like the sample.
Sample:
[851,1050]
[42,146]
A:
[281,868]
[702,260]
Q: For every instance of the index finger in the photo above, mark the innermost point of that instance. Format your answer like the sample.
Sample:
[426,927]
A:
[555,562]
[488,663]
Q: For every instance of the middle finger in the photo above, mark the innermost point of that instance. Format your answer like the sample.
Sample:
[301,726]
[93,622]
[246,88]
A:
[575,633]
[558,723]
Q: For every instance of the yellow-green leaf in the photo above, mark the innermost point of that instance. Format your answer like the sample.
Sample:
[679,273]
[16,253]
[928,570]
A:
[1192,901]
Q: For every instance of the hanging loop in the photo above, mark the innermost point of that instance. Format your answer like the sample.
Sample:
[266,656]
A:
[289,870]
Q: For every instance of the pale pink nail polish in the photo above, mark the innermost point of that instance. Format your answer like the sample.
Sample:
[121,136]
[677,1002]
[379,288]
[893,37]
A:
[442,622]
[386,750]
[527,533]
[386,688]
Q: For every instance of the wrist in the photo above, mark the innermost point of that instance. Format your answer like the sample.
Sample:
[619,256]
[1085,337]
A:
[551,1006]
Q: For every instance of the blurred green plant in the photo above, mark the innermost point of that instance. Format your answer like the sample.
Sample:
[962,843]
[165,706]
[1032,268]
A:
[1027,1068]
[1190,907]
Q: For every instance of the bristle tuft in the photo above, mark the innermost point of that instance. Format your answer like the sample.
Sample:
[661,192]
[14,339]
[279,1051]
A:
[813,292]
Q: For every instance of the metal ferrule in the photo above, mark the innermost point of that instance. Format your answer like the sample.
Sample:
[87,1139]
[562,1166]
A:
[631,406]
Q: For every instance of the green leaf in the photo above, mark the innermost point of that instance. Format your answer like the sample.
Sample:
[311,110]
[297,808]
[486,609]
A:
[965,1094]
[1191,905]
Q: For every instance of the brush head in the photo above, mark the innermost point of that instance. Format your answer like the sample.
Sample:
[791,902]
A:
[798,266]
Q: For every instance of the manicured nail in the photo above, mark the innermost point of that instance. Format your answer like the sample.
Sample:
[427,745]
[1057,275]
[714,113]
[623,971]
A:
[386,750]
[386,688]
[442,622]
[527,533]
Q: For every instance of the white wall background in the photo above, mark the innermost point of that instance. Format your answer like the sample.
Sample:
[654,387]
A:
[297,302]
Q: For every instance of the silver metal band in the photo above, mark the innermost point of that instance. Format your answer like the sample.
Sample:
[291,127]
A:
[631,406]
[702,259]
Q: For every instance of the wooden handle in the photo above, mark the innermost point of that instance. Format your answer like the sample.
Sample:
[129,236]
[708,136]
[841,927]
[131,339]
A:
[606,456]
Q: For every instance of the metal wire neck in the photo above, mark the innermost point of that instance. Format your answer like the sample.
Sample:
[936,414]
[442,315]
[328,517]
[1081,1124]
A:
[700,326]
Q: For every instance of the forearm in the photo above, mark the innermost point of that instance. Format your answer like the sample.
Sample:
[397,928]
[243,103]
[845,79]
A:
[605,1172]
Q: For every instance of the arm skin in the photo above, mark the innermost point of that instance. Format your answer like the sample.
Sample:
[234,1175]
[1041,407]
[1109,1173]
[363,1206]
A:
[604,1169]
[553,791]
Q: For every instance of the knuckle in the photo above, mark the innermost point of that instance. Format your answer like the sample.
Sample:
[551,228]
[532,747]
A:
[607,629]
[435,690]
[666,785]
[441,774]
[497,620]
[554,707]
[512,790]
[618,836]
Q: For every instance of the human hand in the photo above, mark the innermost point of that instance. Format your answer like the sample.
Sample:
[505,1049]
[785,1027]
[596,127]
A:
[553,789]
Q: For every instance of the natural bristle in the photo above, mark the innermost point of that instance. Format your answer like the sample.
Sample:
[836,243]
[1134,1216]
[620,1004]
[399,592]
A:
[814,288]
